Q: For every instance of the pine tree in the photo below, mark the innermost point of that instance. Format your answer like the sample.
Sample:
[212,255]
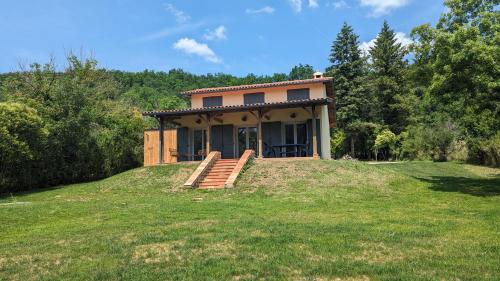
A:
[348,71]
[389,69]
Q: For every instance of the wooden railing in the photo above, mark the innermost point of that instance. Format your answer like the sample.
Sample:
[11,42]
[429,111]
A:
[203,169]
[247,155]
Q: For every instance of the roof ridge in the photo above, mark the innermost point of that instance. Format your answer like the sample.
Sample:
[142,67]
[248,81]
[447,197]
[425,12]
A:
[257,86]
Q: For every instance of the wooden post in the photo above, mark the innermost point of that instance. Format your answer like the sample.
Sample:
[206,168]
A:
[161,146]
[314,136]
[209,127]
[259,136]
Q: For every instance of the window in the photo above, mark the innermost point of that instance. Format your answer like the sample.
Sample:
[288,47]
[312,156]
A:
[298,94]
[253,98]
[212,101]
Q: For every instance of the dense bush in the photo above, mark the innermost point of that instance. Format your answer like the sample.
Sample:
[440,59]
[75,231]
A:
[22,140]
[489,151]
[64,127]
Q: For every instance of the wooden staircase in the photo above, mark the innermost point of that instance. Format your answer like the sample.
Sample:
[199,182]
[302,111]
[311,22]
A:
[218,174]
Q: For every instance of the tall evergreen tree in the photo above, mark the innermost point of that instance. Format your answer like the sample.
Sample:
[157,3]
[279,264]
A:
[389,76]
[348,71]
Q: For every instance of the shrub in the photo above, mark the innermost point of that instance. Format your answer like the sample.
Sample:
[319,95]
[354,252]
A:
[429,142]
[489,151]
[22,139]
[385,142]
[337,142]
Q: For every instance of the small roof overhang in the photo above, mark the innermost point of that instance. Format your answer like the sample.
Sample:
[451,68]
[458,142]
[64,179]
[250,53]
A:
[239,108]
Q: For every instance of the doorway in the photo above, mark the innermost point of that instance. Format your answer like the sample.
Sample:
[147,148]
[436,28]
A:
[199,144]
[247,139]
[294,133]
[222,140]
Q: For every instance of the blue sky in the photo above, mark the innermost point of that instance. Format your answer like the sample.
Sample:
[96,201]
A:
[236,37]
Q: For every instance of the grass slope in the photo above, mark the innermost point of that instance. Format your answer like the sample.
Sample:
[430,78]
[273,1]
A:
[286,220]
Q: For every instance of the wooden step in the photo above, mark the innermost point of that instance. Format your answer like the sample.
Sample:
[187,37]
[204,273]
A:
[211,187]
[223,168]
[224,164]
[214,179]
[213,183]
[209,176]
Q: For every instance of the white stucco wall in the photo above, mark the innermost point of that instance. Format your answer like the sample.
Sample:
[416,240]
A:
[275,94]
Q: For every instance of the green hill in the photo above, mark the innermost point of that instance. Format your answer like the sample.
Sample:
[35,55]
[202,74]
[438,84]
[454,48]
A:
[285,220]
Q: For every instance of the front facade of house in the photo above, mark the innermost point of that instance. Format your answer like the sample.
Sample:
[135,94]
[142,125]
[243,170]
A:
[274,119]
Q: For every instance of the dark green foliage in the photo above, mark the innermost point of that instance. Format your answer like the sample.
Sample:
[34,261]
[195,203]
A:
[22,139]
[429,142]
[88,134]
[457,67]
[354,98]
[388,77]
[300,72]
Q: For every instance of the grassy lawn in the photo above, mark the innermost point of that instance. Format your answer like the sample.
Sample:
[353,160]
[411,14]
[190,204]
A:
[286,220]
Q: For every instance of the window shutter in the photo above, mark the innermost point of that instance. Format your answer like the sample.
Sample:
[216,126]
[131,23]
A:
[253,98]
[212,101]
[298,94]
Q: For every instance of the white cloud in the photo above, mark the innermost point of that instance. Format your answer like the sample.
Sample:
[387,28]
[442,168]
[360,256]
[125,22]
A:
[179,15]
[217,34]
[382,7]
[191,47]
[338,4]
[403,39]
[263,10]
[366,46]
[313,3]
[296,5]
[400,38]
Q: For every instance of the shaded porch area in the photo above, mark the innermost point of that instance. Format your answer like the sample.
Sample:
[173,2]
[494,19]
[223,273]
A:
[298,128]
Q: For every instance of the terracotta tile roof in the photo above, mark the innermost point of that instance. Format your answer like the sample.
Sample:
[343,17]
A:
[235,108]
[257,86]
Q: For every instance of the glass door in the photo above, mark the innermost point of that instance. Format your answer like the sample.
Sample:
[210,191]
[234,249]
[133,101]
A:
[294,133]
[247,139]
[289,138]
[199,137]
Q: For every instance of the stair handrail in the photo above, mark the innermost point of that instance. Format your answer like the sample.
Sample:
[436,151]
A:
[247,155]
[203,169]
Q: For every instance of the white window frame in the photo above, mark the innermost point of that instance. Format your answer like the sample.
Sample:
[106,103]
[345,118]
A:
[247,140]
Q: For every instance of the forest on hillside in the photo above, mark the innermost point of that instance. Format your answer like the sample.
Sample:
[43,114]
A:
[436,99]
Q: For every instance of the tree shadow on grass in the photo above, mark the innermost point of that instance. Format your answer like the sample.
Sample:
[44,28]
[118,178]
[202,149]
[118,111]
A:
[484,187]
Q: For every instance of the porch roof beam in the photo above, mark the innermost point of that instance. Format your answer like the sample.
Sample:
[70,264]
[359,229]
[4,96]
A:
[241,108]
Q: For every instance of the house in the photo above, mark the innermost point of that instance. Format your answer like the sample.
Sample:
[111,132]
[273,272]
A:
[273,119]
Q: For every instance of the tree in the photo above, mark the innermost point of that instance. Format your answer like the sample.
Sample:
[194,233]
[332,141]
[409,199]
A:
[460,57]
[89,134]
[300,72]
[353,97]
[389,79]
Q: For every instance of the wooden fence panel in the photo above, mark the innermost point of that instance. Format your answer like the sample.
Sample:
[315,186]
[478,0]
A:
[152,144]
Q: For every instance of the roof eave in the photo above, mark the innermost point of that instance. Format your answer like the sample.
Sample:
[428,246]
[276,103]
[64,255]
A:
[227,109]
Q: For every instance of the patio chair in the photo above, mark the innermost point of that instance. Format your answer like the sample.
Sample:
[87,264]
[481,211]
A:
[269,150]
